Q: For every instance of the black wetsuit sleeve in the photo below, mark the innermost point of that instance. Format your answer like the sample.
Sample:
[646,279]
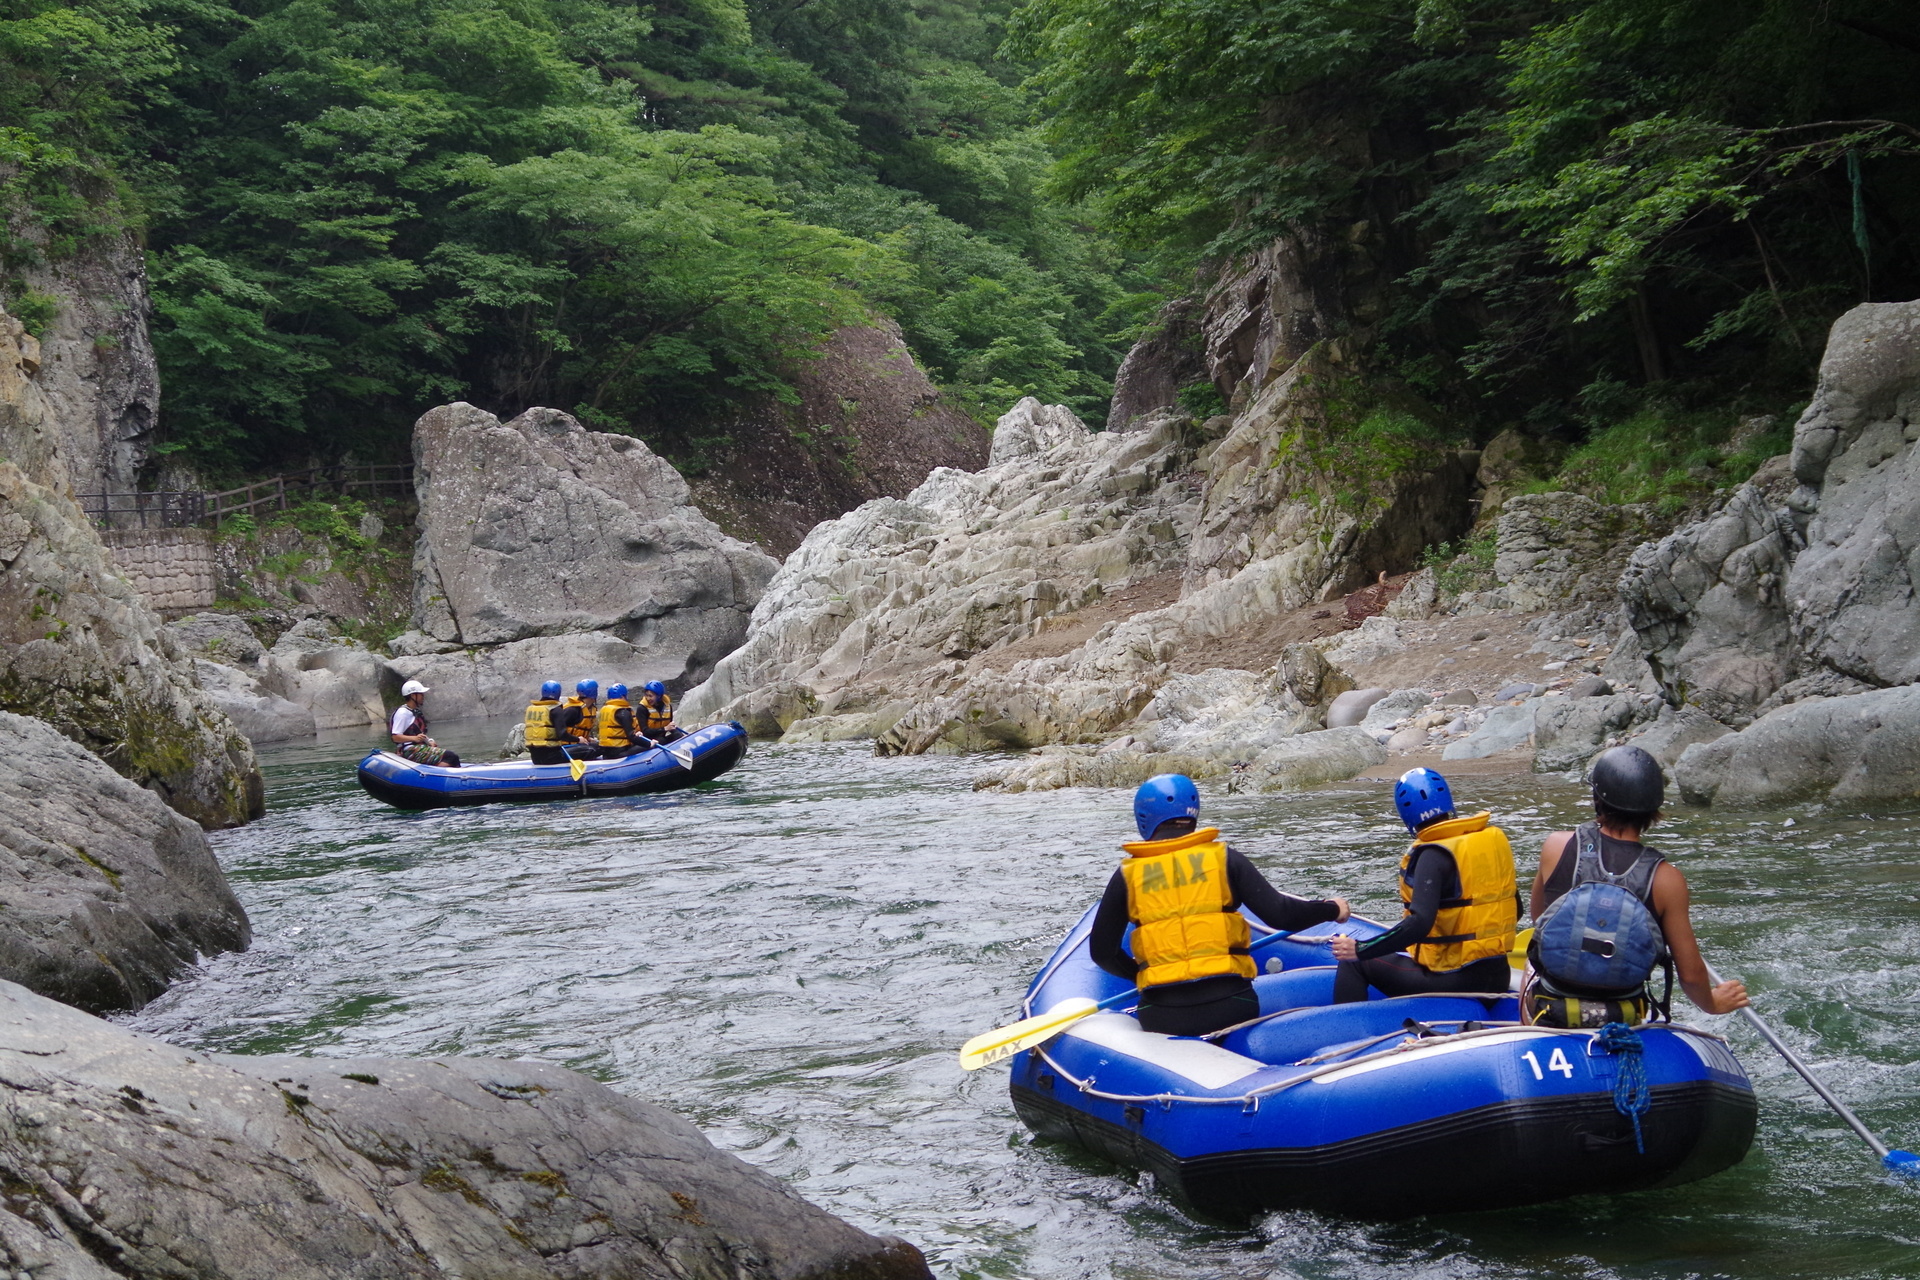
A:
[623,716]
[563,718]
[1433,874]
[1282,911]
[1109,927]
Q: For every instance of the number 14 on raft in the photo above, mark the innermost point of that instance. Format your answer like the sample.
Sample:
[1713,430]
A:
[1558,1061]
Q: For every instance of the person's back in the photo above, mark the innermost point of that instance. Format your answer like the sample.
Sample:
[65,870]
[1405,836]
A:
[1460,905]
[1183,888]
[546,722]
[1628,791]
[616,731]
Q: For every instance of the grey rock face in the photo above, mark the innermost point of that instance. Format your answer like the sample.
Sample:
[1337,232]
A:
[1676,729]
[338,679]
[1351,707]
[263,717]
[1504,729]
[1396,706]
[129,1156]
[79,648]
[1510,461]
[97,370]
[109,894]
[1851,591]
[1863,747]
[1568,732]
[1158,365]
[1031,428]
[218,637]
[540,528]
[1709,605]
[1554,549]
[501,680]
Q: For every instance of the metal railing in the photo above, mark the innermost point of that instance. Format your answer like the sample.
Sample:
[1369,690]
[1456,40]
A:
[177,509]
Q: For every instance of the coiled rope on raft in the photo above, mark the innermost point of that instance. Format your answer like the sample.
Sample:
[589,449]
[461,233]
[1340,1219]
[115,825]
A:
[1631,1097]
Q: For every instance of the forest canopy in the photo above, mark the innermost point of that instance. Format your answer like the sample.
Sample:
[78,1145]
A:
[646,213]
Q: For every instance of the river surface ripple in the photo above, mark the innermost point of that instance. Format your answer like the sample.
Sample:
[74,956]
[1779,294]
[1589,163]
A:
[789,957]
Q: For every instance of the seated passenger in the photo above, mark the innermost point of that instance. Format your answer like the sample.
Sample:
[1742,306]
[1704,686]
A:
[547,722]
[1184,889]
[1628,790]
[409,729]
[658,707]
[1461,905]
[580,728]
[617,734]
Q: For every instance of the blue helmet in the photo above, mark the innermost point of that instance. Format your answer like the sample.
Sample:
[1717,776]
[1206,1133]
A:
[654,686]
[1161,798]
[588,688]
[551,689]
[616,691]
[1423,798]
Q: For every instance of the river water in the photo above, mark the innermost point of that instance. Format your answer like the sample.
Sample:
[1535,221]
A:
[790,957]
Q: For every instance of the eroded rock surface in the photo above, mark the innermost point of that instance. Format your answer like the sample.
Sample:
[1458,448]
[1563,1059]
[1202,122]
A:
[1864,747]
[1555,550]
[538,529]
[109,894]
[127,1156]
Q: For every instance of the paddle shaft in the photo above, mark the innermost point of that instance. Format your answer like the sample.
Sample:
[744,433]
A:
[1806,1073]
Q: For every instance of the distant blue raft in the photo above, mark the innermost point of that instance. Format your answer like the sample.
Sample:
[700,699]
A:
[699,757]
[1387,1109]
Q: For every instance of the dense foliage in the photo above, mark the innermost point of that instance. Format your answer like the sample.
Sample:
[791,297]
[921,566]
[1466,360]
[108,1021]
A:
[1576,202]
[644,213]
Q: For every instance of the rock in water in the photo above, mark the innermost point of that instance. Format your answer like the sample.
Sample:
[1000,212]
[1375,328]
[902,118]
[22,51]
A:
[545,544]
[81,650]
[131,1157]
[1862,747]
[109,893]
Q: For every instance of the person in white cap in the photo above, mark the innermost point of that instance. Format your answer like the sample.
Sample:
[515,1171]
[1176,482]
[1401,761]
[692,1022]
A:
[409,729]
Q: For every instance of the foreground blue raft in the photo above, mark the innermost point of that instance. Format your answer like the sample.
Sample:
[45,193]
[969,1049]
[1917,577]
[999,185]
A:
[701,755]
[1414,1105]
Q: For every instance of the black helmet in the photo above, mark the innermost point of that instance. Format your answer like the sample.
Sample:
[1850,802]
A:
[1628,780]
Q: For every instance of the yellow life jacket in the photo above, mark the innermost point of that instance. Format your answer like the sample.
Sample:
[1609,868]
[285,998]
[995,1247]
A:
[1177,894]
[659,719]
[539,722]
[612,732]
[1481,921]
[583,731]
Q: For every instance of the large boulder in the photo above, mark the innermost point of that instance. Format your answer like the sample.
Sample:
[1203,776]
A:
[538,528]
[1570,731]
[502,679]
[1851,591]
[127,1156]
[79,647]
[340,681]
[1862,747]
[109,894]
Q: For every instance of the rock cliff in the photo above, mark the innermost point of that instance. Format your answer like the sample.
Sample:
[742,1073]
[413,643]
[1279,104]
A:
[547,549]
[79,648]
[125,1156]
[867,424]
[110,895]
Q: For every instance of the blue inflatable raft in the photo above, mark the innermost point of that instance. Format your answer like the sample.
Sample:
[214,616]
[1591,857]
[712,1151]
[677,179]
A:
[1388,1109]
[701,755]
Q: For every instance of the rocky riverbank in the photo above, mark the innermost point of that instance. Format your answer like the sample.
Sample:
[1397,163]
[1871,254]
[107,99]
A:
[1231,599]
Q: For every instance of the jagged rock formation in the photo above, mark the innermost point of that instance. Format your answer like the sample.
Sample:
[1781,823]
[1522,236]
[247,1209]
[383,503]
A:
[1766,591]
[1158,366]
[543,543]
[126,1156]
[80,649]
[110,895]
[313,678]
[1557,550]
[868,424]
[929,622]
[97,373]
[1862,747]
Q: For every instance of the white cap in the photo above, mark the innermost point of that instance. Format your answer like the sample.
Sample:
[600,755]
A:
[412,687]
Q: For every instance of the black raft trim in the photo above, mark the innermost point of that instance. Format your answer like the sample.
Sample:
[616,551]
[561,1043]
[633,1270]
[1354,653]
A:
[1515,1152]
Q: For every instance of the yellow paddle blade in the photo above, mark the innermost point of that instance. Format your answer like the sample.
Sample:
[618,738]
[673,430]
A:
[579,768]
[1002,1043]
[1518,956]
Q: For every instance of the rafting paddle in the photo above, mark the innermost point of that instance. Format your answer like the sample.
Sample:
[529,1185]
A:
[1904,1163]
[1002,1043]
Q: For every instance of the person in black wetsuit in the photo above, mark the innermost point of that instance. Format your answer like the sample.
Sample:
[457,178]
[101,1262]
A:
[1183,888]
[1628,790]
[1461,905]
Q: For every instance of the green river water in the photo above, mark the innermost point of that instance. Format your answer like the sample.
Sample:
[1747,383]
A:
[790,957]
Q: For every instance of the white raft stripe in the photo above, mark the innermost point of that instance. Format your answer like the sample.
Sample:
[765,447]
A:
[1206,1065]
[1436,1048]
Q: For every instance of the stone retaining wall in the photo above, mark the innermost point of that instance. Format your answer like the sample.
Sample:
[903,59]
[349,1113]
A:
[172,568]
